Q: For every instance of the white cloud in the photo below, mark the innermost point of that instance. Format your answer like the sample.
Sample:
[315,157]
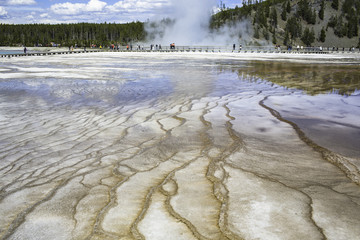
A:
[3,12]
[30,17]
[119,11]
[77,8]
[95,6]
[44,15]
[138,5]
[21,2]
[67,8]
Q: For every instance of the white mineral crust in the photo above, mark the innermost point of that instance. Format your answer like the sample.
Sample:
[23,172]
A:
[173,146]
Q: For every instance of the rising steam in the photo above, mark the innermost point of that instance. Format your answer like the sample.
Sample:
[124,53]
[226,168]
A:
[189,25]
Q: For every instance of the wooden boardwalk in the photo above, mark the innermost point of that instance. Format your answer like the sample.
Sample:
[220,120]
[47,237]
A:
[214,50]
[44,53]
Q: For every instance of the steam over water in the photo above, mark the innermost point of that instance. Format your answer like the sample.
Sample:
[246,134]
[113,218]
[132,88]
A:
[180,146]
[188,23]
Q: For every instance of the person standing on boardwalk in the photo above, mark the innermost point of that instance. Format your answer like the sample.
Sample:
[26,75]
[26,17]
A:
[25,50]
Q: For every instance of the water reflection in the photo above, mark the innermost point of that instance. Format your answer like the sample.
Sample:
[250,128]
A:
[145,145]
[312,78]
[326,109]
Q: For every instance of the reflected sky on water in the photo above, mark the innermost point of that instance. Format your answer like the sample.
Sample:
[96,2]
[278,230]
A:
[138,80]
[311,78]
[130,133]
[121,81]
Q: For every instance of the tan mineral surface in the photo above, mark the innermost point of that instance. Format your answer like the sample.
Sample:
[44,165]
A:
[176,146]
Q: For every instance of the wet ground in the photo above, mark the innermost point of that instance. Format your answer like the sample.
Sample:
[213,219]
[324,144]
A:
[178,146]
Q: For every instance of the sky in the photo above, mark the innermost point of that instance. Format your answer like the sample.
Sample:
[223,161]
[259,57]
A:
[99,11]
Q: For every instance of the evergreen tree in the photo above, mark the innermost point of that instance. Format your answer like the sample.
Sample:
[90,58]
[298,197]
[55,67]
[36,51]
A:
[312,19]
[303,7]
[286,39]
[341,29]
[260,18]
[322,35]
[274,40]
[293,27]
[312,35]
[306,12]
[267,9]
[266,34]
[288,7]
[353,24]
[308,37]
[349,6]
[322,10]
[333,21]
[273,17]
[283,13]
[70,34]
[335,4]
[305,36]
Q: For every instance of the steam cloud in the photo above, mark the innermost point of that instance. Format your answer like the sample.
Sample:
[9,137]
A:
[189,25]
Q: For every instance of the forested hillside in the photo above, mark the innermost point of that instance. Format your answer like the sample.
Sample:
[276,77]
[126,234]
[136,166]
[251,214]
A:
[82,34]
[305,22]
[279,22]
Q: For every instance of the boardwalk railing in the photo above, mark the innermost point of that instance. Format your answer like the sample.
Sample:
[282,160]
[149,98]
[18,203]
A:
[224,49]
[246,49]
[46,53]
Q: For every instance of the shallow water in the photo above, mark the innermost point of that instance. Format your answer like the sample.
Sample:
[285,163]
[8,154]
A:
[159,146]
[11,51]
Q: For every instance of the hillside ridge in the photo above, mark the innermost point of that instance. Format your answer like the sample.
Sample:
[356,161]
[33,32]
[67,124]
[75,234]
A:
[329,23]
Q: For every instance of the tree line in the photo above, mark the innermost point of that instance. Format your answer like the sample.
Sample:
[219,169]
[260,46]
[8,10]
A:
[81,34]
[266,17]
[346,23]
